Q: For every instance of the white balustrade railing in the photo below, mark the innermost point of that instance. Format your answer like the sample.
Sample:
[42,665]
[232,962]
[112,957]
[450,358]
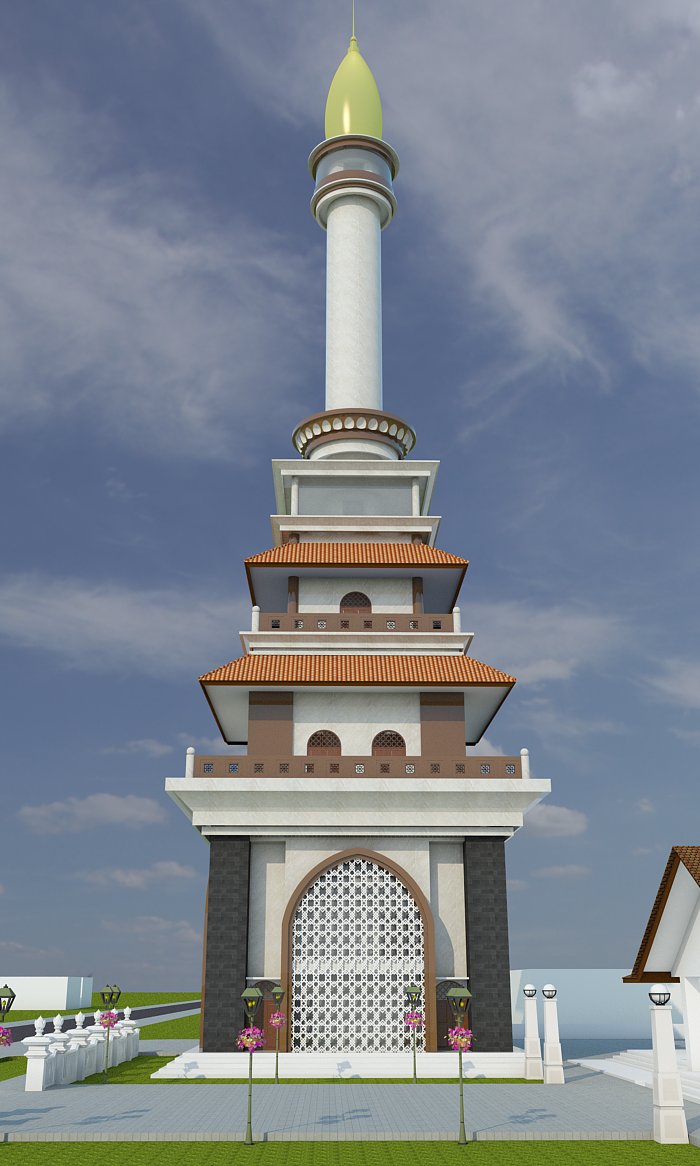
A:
[58,1058]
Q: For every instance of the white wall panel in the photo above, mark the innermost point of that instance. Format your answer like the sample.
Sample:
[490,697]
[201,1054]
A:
[357,717]
[390,595]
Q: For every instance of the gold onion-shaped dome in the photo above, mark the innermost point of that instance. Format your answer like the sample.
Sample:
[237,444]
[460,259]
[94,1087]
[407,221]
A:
[353,105]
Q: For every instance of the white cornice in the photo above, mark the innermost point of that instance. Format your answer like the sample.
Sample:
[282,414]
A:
[358,643]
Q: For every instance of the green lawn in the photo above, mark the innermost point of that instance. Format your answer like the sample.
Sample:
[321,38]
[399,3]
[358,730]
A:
[180,1028]
[12,1067]
[133,999]
[345,1154]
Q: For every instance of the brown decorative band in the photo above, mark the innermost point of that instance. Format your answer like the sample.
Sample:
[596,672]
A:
[347,141]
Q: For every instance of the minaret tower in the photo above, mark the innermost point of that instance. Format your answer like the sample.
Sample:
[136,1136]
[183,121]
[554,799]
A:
[356,847]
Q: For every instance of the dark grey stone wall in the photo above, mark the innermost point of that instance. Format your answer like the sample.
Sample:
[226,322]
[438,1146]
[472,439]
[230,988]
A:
[488,961]
[226,943]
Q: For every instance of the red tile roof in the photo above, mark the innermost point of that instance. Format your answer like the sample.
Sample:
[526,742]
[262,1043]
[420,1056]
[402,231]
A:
[264,668]
[690,857]
[313,554]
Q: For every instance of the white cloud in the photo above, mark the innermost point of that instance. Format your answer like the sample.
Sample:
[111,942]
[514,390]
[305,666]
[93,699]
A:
[138,309]
[568,871]
[645,806]
[147,745]
[155,926]
[679,682]
[105,626]
[135,879]
[601,90]
[541,643]
[96,810]
[215,745]
[485,748]
[552,724]
[550,821]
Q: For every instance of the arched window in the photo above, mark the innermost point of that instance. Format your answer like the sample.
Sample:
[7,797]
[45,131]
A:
[355,601]
[323,743]
[388,744]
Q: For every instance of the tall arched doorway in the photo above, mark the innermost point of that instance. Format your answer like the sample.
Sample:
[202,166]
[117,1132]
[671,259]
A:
[357,935]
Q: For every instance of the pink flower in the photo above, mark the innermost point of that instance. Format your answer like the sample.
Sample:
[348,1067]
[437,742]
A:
[459,1039]
[109,1019]
[250,1039]
[414,1019]
[278,1019]
[5,1036]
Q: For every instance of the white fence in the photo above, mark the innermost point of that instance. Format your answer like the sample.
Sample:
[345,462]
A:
[58,1058]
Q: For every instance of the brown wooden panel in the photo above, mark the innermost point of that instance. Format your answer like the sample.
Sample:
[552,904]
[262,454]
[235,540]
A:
[270,724]
[442,724]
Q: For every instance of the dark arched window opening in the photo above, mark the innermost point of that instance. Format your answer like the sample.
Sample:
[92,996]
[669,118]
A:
[355,601]
[323,743]
[388,744]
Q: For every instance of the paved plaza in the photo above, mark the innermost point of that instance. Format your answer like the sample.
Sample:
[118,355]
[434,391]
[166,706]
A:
[589,1106]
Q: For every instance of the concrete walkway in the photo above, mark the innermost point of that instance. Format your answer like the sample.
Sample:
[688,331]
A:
[590,1106]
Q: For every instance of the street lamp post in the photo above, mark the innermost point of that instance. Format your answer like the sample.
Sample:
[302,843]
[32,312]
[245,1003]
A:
[460,1038]
[670,1125]
[7,999]
[277,994]
[251,1000]
[413,997]
[110,997]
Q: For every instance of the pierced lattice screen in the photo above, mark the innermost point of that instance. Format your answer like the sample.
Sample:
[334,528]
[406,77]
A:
[323,741]
[357,941]
[355,601]
[388,741]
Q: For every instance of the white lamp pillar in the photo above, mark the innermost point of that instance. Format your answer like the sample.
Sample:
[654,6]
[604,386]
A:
[533,1054]
[670,1126]
[553,1066]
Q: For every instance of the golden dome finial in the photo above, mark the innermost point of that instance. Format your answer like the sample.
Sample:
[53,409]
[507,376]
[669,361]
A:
[353,105]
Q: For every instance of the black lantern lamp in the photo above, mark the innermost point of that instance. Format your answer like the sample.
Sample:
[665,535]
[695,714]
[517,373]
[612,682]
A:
[7,999]
[251,1001]
[413,992]
[530,991]
[110,995]
[549,991]
[659,995]
[459,1002]
[277,994]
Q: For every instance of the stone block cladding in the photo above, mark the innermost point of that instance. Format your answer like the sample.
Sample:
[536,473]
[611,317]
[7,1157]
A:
[488,960]
[225,943]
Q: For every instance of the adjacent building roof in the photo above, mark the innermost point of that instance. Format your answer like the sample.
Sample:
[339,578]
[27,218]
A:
[317,554]
[689,857]
[446,671]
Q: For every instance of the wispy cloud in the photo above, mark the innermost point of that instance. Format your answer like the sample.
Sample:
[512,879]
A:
[567,871]
[130,304]
[147,745]
[645,806]
[156,926]
[136,879]
[516,884]
[678,681]
[76,814]
[543,643]
[550,821]
[106,626]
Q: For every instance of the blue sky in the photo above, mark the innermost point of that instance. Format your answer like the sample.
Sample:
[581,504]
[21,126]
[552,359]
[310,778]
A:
[161,332]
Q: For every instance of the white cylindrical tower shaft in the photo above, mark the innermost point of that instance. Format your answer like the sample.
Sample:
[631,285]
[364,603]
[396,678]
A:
[353,304]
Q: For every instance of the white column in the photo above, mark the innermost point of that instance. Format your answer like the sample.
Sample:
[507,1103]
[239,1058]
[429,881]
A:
[533,1054]
[525,764]
[255,619]
[189,763]
[669,1116]
[353,304]
[415,497]
[456,619]
[553,1066]
[691,1021]
[294,497]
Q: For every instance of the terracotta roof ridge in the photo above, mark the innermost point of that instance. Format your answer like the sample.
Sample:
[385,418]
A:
[322,552]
